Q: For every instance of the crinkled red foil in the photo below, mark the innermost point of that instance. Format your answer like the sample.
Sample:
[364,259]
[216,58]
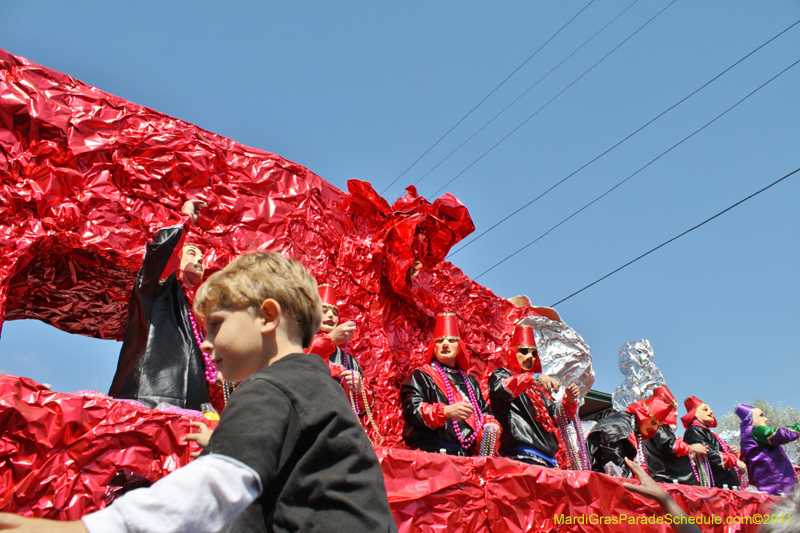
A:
[59,453]
[87,178]
[433,492]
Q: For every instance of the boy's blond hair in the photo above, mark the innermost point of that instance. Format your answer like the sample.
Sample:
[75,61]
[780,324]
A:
[252,278]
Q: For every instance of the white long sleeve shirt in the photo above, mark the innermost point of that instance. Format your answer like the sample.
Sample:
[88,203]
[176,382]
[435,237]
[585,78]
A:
[203,496]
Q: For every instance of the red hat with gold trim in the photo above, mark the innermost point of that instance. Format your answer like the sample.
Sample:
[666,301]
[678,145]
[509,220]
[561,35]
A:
[692,403]
[447,328]
[523,338]
[664,406]
[661,408]
[328,295]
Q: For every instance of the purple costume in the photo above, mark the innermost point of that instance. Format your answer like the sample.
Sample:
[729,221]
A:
[768,466]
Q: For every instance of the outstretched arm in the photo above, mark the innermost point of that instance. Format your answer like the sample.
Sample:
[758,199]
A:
[651,490]
[18,524]
[193,208]
[162,254]
[769,436]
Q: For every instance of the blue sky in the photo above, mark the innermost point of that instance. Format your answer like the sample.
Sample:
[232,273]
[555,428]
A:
[362,89]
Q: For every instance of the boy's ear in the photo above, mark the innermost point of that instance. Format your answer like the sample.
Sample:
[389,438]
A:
[270,315]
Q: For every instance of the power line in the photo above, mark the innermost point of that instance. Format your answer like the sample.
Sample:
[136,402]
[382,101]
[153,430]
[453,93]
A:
[676,237]
[451,254]
[556,96]
[635,173]
[524,93]
[486,97]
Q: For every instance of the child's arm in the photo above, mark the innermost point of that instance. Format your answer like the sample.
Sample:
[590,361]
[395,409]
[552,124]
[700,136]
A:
[18,524]
[203,496]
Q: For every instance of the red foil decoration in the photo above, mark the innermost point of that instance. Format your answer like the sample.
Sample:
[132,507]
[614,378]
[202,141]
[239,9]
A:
[59,453]
[87,178]
[434,492]
[62,457]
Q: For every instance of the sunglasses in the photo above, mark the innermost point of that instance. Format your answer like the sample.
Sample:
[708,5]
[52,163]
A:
[526,351]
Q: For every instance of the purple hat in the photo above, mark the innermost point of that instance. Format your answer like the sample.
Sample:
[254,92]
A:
[743,411]
[745,414]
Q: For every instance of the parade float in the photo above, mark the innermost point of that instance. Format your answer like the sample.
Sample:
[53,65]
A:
[86,178]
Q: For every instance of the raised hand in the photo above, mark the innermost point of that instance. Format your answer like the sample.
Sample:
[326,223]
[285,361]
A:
[193,208]
[343,333]
[647,487]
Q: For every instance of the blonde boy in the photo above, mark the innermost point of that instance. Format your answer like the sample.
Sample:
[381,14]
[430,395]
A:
[287,439]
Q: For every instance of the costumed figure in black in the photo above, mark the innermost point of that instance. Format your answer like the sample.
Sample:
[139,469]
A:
[160,359]
[623,434]
[443,407]
[525,412]
[669,458]
[328,343]
[721,467]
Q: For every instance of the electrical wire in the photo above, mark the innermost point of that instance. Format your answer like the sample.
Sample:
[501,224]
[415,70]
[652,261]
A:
[552,99]
[637,172]
[451,254]
[676,237]
[526,92]
[486,97]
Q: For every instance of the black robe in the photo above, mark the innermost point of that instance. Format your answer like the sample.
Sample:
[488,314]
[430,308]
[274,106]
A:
[348,362]
[703,435]
[609,440]
[518,418]
[344,360]
[663,464]
[419,388]
[160,360]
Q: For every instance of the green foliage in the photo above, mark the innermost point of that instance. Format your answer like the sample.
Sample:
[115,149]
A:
[776,417]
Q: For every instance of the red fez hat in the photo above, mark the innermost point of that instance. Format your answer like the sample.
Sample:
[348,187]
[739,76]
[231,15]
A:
[663,406]
[446,327]
[523,337]
[692,403]
[328,295]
